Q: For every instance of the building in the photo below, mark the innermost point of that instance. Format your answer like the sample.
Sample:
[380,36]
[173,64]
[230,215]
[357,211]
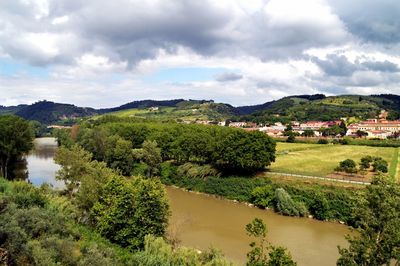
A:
[376,128]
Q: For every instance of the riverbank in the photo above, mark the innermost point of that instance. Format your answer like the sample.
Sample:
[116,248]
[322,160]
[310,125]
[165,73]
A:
[320,200]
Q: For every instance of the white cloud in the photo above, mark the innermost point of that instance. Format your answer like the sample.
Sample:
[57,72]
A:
[100,50]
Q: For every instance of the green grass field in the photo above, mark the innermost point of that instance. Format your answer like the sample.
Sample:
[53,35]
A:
[320,160]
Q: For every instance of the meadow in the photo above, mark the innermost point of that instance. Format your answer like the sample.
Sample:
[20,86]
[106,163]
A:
[321,160]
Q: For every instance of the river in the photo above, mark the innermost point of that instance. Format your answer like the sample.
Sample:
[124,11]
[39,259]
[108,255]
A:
[201,221]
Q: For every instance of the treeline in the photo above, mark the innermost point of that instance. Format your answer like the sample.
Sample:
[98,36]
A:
[120,145]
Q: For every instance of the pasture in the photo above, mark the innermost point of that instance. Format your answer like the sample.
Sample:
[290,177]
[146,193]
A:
[321,159]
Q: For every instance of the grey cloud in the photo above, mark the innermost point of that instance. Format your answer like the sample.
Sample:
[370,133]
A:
[371,20]
[384,66]
[228,76]
[336,65]
[136,30]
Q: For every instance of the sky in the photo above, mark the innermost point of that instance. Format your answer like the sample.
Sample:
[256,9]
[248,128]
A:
[103,53]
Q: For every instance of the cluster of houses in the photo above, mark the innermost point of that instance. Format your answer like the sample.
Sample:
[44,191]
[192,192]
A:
[376,128]
[371,128]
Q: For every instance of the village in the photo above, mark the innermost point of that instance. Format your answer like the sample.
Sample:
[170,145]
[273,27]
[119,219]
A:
[377,128]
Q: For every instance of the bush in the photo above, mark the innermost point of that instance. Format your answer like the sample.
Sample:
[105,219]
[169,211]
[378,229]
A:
[348,166]
[323,141]
[192,170]
[291,138]
[286,205]
[263,196]
[365,162]
[380,165]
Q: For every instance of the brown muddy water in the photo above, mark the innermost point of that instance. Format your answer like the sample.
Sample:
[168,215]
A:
[202,221]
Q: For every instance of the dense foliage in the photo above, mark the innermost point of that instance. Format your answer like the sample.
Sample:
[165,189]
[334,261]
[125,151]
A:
[228,149]
[122,210]
[38,226]
[16,138]
[377,241]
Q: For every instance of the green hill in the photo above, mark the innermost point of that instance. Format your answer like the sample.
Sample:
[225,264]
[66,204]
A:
[183,110]
[319,107]
[299,107]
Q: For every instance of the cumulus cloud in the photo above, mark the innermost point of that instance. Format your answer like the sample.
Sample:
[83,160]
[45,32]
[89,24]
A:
[268,48]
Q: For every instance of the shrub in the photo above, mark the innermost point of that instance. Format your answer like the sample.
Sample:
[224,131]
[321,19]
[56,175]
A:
[192,170]
[323,141]
[380,165]
[365,162]
[286,205]
[263,196]
[348,166]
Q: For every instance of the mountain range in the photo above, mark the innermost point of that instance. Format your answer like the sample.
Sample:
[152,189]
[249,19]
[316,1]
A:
[297,107]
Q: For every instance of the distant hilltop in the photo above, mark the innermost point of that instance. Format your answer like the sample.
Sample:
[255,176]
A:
[303,108]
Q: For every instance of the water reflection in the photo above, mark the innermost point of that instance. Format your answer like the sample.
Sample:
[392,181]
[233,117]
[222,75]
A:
[40,163]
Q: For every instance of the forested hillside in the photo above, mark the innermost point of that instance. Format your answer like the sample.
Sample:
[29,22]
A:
[319,107]
[299,107]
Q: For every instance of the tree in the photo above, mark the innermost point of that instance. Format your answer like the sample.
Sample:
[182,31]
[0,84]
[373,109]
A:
[151,156]
[75,165]
[291,138]
[262,252]
[119,154]
[243,151]
[127,211]
[380,165]
[377,241]
[361,133]
[308,133]
[16,138]
[343,127]
[365,162]
[348,166]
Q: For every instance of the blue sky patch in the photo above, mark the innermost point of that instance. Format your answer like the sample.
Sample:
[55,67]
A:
[11,68]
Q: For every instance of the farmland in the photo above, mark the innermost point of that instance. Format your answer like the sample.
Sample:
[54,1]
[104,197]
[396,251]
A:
[320,160]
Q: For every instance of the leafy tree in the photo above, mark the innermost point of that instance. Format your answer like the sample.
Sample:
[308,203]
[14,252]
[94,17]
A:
[308,133]
[377,241]
[128,211]
[365,162]
[320,207]
[348,166]
[16,138]
[243,151]
[264,253]
[291,138]
[151,156]
[343,127]
[380,165]
[75,165]
[119,154]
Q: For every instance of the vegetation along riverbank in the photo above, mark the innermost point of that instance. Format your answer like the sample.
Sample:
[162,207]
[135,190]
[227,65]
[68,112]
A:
[114,208]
